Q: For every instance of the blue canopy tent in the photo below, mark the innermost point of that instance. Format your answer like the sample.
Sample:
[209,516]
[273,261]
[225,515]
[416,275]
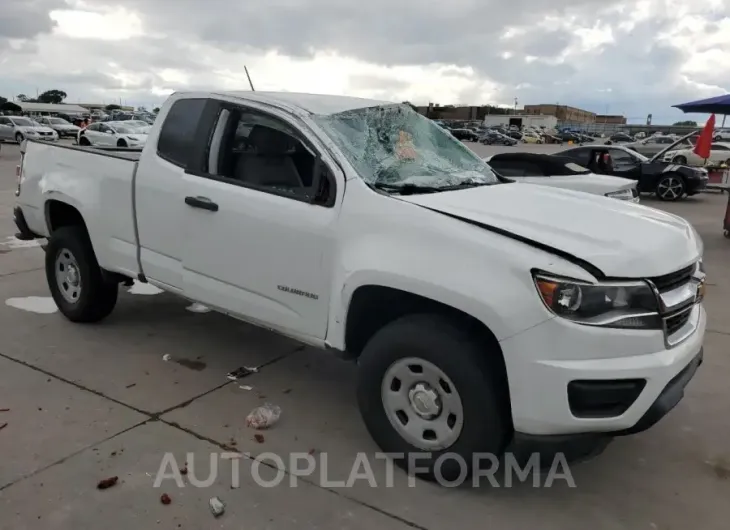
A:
[716,105]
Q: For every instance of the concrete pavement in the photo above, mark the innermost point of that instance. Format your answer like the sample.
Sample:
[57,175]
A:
[90,402]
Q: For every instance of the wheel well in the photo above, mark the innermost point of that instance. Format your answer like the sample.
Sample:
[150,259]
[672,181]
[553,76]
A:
[60,214]
[374,306]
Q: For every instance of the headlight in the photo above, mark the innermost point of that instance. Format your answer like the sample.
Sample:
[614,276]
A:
[630,305]
[624,195]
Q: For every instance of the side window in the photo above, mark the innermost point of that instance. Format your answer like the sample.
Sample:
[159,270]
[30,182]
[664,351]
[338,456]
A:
[178,131]
[93,127]
[4,121]
[516,168]
[718,147]
[104,128]
[582,156]
[621,158]
[260,151]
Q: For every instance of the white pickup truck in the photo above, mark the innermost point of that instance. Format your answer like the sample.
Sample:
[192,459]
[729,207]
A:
[482,313]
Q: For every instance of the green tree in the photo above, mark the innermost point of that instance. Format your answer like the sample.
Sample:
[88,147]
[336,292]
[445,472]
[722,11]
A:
[3,100]
[156,110]
[22,98]
[52,96]
[112,107]
[686,123]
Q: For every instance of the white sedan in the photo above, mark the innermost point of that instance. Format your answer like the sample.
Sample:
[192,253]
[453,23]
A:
[559,172]
[111,134]
[719,153]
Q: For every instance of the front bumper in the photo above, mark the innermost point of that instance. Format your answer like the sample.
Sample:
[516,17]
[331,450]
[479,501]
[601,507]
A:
[542,361]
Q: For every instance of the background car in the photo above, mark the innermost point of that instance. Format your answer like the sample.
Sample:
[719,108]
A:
[651,145]
[111,134]
[494,137]
[61,126]
[560,172]
[19,128]
[719,154]
[530,137]
[722,135]
[620,138]
[465,134]
[670,182]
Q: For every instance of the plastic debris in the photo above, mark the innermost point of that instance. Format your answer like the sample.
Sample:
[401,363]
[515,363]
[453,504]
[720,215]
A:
[107,483]
[259,438]
[165,499]
[245,387]
[263,417]
[3,426]
[198,308]
[241,372]
[4,410]
[166,357]
[216,506]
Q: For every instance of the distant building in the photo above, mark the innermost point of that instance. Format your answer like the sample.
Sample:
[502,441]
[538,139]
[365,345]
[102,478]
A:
[563,113]
[611,118]
[49,108]
[521,120]
[461,113]
[101,106]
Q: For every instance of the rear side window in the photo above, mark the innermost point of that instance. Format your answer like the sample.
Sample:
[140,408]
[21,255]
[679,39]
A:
[178,131]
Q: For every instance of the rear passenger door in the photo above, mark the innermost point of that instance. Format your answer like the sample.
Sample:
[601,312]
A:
[262,202]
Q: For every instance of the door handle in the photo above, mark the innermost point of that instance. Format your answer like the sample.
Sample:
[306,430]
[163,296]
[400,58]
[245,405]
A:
[201,202]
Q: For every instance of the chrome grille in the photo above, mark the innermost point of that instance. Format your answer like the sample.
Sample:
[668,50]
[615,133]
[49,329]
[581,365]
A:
[673,279]
[675,322]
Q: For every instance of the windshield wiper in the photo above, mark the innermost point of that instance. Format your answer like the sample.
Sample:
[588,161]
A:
[413,189]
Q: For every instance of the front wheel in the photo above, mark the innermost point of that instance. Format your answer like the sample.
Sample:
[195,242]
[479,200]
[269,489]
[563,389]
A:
[670,188]
[75,278]
[84,141]
[681,160]
[426,391]
[121,143]
[717,138]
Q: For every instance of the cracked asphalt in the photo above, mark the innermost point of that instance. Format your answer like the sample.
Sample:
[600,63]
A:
[84,403]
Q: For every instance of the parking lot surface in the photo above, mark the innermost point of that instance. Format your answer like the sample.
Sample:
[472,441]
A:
[88,402]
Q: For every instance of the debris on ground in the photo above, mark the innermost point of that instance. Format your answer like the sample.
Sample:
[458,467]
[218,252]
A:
[2,426]
[259,438]
[263,417]
[198,308]
[243,371]
[113,453]
[245,387]
[721,467]
[216,506]
[312,451]
[184,470]
[166,357]
[165,499]
[107,483]
[198,366]
[4,410]
[286,391]
[131,385]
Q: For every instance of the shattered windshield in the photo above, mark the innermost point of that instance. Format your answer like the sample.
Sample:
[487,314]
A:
[395,146]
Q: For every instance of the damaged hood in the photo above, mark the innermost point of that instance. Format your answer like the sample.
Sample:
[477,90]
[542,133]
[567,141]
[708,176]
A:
[619,238]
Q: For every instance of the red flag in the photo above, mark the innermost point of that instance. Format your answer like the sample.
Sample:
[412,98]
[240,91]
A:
[704,142]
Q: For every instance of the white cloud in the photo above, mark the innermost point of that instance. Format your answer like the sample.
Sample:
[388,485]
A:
[637,57]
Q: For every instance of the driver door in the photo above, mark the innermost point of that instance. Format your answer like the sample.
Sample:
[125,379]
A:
[625,165]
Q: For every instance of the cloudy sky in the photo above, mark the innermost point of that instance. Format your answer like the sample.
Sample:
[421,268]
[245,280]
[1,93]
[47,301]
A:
[630,57]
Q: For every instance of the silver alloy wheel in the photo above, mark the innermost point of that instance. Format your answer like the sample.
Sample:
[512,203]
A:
[422,404]
[670,188]
[68,276]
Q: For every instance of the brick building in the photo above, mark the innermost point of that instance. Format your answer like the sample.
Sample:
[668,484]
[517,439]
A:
[611,118]
[563,113]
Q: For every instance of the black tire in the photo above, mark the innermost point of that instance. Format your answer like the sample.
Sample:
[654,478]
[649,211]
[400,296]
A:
[19,138]
[680,159]
[84,141]
[486,426]
[96,298]
[671,187]
[717,138]
[121,143]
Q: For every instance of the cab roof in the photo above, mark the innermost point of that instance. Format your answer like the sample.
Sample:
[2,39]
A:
[320,104]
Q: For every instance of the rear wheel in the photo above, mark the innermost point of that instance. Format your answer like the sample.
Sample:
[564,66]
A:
[121,143]
[19,138]
[75,278]
[670,188]
[717,138]
[425,390]
[84,141]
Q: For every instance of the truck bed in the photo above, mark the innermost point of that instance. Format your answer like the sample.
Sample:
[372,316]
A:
[125,153]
